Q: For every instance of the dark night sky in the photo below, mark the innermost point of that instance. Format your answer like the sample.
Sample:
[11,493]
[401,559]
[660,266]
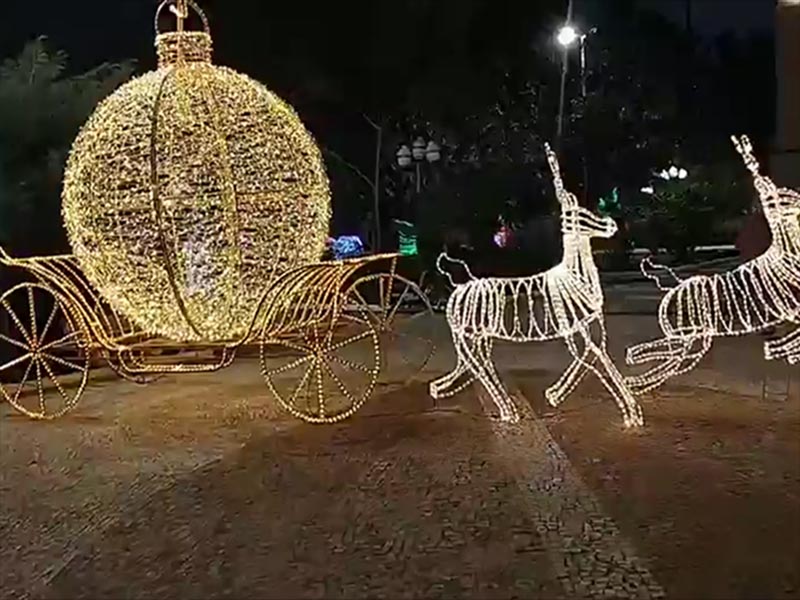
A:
[96,30]
[712,17]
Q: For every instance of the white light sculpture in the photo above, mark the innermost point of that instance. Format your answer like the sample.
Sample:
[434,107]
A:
[565,302]
[757,296]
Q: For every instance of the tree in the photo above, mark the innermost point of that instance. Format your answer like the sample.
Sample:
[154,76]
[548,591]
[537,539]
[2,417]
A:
[41,110]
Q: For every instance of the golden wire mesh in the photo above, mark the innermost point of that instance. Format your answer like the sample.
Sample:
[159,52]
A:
[188,190]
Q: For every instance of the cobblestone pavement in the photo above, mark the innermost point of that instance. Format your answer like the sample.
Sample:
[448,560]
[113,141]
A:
[198,487]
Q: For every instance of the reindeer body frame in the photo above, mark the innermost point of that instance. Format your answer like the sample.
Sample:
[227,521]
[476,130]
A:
[565,302]
[757,296]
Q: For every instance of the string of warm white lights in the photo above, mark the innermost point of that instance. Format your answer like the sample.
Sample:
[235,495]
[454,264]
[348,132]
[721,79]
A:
[188,188]
[759,295]
[565,303]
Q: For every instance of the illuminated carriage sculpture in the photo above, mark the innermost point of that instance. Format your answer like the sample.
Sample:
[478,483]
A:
[197,207]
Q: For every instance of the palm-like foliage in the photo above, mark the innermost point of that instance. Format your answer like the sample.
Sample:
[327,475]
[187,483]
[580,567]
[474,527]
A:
[41,109]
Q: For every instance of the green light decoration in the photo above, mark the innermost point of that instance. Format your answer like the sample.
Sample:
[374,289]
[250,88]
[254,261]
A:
[408,238]
[610,206]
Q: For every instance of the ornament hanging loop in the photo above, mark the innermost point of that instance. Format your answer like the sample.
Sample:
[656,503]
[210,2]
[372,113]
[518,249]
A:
[180,8]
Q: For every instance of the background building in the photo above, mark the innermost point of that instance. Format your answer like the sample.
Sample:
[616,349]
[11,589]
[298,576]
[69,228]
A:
[786,157]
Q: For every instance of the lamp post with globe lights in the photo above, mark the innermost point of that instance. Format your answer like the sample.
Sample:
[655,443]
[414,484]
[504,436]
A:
[419,152]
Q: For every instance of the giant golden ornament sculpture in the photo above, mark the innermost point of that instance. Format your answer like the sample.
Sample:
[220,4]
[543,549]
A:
[188,189]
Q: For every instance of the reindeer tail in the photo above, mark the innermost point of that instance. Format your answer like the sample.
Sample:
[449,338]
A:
[649,269]
[444,270]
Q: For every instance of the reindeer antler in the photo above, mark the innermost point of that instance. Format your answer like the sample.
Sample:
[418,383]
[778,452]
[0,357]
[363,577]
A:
[745,148]
[561,193]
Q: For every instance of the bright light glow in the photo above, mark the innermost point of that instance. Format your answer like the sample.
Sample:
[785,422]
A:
[648,190]
[664,175]
[673,172]
[567,35]
[565,303]
[187,189]
[683,174]
[758,295]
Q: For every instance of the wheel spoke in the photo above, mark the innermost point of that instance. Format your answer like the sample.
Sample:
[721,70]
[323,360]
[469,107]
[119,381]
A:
[397,305]
[349,364]
[14,342]
[339,383]
[39,389]
[49,322]
[320,391]
[52,376]
[18,323]
[16,361]
[300,385]
[64,363]
[23,382]
[350,340]
[32,311]
[290,366]
[63,340]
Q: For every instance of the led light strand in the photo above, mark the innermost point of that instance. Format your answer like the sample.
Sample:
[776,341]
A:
[564,303]
[758,295]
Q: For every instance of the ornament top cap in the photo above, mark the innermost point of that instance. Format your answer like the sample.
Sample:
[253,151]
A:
[182,46]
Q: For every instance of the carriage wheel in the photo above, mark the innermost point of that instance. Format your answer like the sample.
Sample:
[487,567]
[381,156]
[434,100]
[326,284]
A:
[404,319]
[116,361]
[48,359]
[326,372]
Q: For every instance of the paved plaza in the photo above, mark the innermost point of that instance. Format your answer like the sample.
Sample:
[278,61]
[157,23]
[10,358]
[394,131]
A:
[198,486]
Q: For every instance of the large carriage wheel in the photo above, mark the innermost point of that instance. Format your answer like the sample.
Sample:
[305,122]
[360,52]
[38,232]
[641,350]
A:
[45,362]
[324,373]
[404,319]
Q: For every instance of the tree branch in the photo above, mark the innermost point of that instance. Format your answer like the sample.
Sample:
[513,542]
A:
[350,166]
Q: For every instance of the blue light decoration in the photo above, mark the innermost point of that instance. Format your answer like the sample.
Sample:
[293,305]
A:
[407,233]
[347,246]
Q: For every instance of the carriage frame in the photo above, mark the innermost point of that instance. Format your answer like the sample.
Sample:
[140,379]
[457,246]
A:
[307,319]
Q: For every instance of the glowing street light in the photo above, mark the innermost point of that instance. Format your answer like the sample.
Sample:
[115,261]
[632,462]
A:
[567,36]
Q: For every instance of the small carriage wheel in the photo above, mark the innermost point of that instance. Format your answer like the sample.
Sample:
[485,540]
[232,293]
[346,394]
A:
[117,364]
[326,371]
[404,319]
[48,353]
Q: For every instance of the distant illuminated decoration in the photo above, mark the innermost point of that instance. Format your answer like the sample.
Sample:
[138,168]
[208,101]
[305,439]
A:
[757,296]
[407,234]
[564,303]
[610,206]
[504,236]
[347,246]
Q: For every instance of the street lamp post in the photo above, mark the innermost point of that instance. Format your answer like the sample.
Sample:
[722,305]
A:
[419,152]
[566,38]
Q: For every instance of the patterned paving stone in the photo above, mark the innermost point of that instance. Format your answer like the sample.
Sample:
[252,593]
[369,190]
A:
[589,555]
[422,512]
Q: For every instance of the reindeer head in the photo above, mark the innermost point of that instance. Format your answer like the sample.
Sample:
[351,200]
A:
[777,203]
[577,221]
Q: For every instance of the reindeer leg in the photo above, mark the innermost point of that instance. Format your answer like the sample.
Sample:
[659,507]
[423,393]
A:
[441,387]
[786,347]
[484,348]
[681,359]
[612,379]
[654,350]
[570,379]
[479,362]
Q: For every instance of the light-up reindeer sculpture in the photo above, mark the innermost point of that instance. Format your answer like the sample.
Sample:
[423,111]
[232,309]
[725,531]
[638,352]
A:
[756,296]
[565,302]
